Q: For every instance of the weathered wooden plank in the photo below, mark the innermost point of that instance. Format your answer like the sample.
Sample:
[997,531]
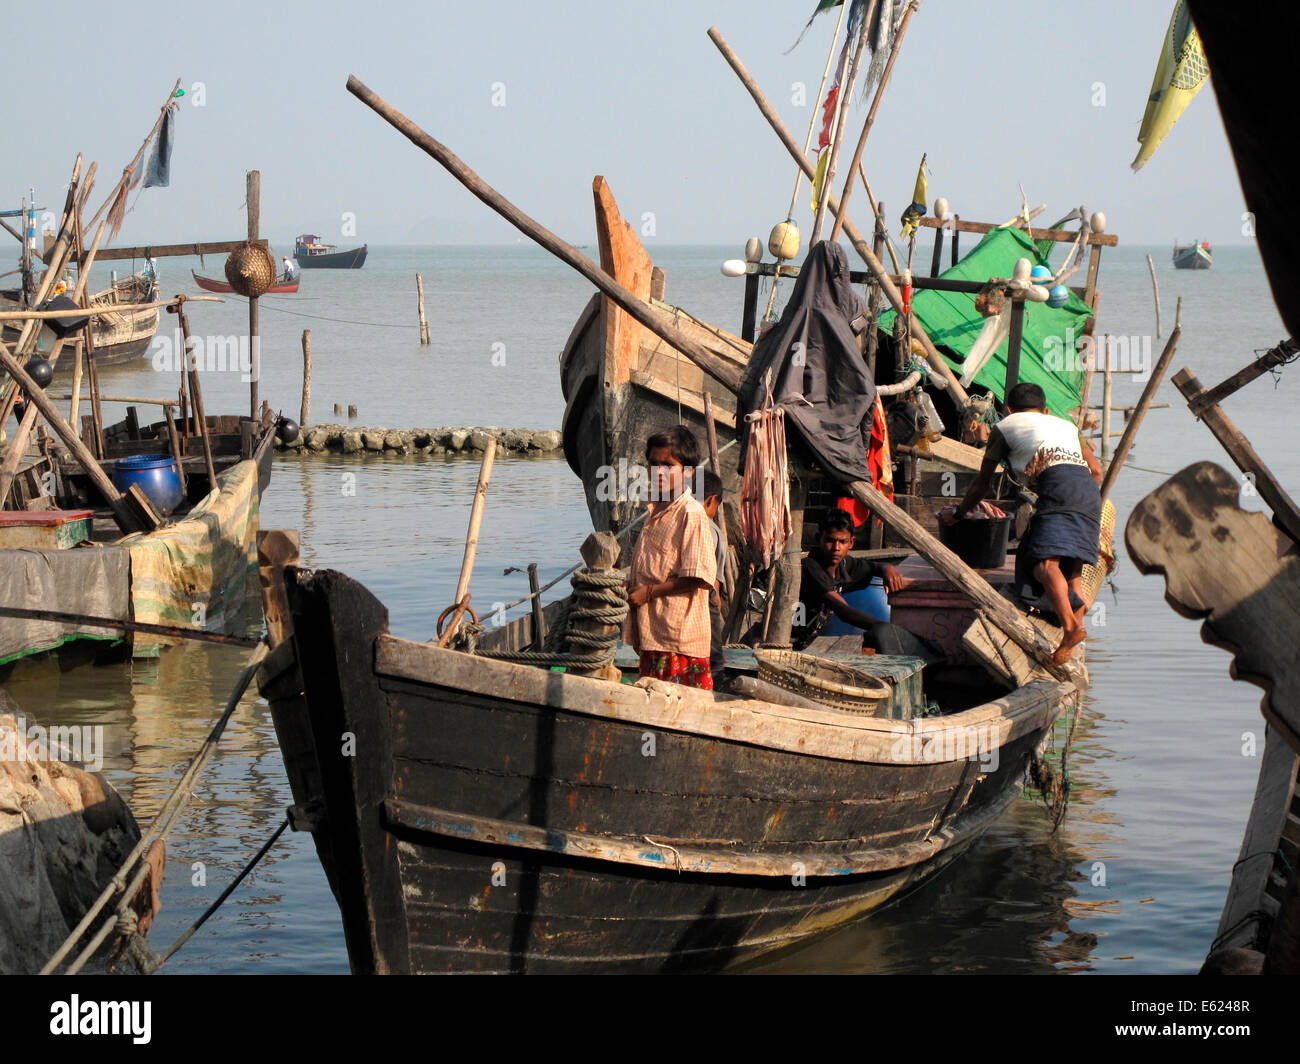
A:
[1234,569]
[160,251]
[1061,236]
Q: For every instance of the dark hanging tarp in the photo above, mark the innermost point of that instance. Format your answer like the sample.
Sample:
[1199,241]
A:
[158,174]
[819,377]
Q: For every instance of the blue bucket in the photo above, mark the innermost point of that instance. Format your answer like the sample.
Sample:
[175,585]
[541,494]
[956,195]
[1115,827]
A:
[155,474]
[872,600]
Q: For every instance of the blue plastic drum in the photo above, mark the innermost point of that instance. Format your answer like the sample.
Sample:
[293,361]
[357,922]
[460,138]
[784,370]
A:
[155,474]
[871,600]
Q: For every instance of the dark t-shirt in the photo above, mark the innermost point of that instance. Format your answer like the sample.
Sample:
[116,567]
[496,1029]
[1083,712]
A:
[853,574]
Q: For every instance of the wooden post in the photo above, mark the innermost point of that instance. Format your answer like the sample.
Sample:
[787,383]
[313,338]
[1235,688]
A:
[1139,412]
[196,396]
[874,302]
[254,198]
[1013,345]
[178,452]
[275,550]
[74,407]
[747,325]
[424,325]
[475,520]
[306,378]
[1286,515]
[1106,378]
[937,257]
[789,567]
[1275,356]
[600,551]
[956,239]
[539,616]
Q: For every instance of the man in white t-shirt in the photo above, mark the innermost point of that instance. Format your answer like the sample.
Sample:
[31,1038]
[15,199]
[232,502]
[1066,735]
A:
[1050,456]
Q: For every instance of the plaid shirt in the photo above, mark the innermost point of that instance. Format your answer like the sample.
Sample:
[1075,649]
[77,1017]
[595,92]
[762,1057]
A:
[675,542]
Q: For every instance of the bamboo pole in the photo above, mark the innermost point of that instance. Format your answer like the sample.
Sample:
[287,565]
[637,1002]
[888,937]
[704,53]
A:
[1155,289]
[424,325]
[254,200]
[944,375]
[1139,412]
[306,378]
[77,312]
[715,464]
[471,537]
[74,409]
[196,396]
[21,613]
[871,118]
[837,137]
[659,321]
[1106,378]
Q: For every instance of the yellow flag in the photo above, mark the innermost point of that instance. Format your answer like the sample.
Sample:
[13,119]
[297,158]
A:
[916,209]
[819,178]
[1180,74]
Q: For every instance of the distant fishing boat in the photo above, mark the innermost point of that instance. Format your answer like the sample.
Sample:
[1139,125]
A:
[1193,256]
[280,288]
[311,254]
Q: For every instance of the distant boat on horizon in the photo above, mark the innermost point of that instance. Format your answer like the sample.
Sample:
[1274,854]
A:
[1193,256]
[311,254]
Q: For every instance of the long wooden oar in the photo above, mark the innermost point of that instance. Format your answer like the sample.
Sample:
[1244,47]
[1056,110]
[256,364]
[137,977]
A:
[658,321]
[471,540]
[126,626]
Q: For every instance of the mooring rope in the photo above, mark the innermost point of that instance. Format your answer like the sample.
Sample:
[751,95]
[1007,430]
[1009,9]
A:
[598,596]
[157,829]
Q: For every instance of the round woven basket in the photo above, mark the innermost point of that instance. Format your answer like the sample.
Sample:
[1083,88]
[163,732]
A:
[828,682]
[251,270]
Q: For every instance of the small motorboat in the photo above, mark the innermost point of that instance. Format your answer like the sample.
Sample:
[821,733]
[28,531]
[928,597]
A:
[209,284]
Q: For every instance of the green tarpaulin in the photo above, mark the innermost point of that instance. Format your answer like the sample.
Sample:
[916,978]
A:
[1047,348]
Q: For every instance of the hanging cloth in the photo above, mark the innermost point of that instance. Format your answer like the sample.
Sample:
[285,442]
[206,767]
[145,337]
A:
[158,174]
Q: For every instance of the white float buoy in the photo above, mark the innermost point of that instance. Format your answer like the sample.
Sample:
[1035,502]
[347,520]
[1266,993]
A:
[1097,223]
[941,209]
[735,268]
[785,240]
[753,249]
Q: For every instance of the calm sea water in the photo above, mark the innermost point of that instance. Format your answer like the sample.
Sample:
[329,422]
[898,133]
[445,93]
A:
[1133,880]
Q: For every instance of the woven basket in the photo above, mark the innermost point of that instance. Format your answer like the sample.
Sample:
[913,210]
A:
[251,270]
[827,682]
[1094,576]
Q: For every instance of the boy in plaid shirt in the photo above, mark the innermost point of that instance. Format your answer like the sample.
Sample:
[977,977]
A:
[674,568]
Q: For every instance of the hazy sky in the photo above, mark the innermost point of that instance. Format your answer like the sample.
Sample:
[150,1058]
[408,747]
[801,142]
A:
[995,93]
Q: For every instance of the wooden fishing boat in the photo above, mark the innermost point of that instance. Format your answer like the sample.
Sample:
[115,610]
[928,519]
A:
[120,337]
[1195,256]
[202,556]
[208,284]
[311,254]
[499,817]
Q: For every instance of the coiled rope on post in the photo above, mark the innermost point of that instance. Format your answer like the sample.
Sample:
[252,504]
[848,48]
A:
[598,596]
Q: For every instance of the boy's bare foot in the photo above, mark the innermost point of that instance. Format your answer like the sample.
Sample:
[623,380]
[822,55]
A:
[1069,641]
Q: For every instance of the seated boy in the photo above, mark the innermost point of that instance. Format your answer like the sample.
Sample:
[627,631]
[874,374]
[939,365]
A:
[828,572]
[673,569]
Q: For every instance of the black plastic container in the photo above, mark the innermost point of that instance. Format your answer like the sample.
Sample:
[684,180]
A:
[981,542]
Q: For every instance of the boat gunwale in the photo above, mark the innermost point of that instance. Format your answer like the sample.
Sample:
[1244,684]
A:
[814,733]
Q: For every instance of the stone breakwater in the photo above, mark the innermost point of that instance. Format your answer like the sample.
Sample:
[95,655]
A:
[342,439]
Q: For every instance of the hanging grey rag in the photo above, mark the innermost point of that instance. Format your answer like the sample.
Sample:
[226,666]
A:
[158,174]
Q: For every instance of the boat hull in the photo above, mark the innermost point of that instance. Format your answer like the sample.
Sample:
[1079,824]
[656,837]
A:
[352,259]
[1192,258]
[498,818]
[284,288]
